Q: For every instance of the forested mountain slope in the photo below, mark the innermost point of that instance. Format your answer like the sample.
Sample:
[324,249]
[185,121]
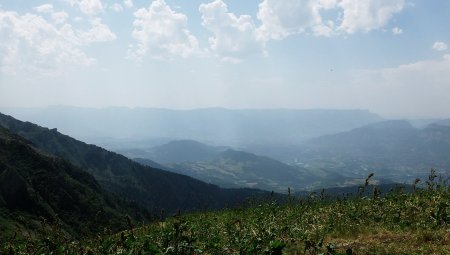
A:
[151,188]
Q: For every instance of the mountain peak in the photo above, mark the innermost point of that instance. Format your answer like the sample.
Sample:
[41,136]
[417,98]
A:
[391,124]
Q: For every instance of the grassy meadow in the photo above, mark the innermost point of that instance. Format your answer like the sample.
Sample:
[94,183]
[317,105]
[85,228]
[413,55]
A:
[397,222]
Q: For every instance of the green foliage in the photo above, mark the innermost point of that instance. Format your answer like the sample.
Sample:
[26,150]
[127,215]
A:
[395,223]
[41,194]
[232,168]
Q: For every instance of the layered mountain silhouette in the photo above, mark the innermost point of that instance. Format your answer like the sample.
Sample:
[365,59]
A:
[115,126]
[393,149]
[231,168]
[152,188]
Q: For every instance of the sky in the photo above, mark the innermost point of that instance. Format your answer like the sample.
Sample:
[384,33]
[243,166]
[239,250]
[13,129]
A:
[387,56]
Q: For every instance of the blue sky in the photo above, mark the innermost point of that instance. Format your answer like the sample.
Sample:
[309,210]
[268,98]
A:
[387,56]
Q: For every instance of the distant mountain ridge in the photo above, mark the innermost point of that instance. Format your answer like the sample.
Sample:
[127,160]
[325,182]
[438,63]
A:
[393,138]
[445,122]
[212,125]
[152,188]
[393,149]
[374,138]
[231,168]
[182,151]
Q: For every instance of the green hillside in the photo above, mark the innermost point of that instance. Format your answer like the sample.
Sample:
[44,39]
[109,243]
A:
[181,151]
[392,223]
[151,188]
[37,191]
[233,168]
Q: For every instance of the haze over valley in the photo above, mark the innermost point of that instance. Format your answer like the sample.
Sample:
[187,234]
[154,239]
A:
[224,127]
[272,150]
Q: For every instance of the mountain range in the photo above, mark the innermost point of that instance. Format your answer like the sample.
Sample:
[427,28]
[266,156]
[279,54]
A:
[393,149]
[154,189]
[48,176]
[118,127]
[227,167]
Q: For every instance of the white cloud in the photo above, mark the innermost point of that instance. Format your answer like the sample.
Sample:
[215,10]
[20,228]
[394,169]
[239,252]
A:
[367,15]
[397,31]
[31,44]
[161,32]
[234,37]
[440,46]
[98,32]
[414,90]
[284,18]
[88,7]
[423,73]
[116,7]
[45,8]
[128,3]
[60,17]
[326,30]
[46,45]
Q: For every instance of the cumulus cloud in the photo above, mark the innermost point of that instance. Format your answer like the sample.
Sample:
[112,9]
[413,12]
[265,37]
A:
[60,17]
[98,32]
[88,7]
[128,3]
[367,15]
[45,8]
[116,7]
[397,31]
[32,44]
[440,46]
[161,32]
[234,36]
[284,18]
[237,36]
[45,45]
